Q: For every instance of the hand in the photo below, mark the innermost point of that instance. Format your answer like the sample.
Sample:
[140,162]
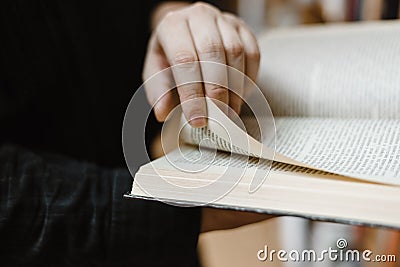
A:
[219,219]
[199,32]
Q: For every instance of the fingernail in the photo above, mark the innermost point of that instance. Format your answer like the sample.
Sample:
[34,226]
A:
[197,121]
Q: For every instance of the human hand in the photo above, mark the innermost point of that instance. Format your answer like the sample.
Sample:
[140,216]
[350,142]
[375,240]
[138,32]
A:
[199,32]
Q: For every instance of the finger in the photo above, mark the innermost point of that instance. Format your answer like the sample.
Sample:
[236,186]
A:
[179,49]
[234,53]
[251,50]
[157,87]
[252,56]
[209,46]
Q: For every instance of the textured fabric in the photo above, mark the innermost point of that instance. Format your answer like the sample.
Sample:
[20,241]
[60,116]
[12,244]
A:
[67,72]
[56,211]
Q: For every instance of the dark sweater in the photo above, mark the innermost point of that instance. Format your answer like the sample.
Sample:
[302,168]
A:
[67,72]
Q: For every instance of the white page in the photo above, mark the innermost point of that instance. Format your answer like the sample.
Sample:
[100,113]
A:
[345,70]
[223,134]
[215,161]
[361,148]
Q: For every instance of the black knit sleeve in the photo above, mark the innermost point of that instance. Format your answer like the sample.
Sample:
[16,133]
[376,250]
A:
[56,211]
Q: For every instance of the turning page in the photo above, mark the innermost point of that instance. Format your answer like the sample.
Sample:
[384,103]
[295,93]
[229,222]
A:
[359,148]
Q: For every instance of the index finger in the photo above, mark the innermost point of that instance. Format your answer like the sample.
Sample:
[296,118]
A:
[210,48]
[180,51]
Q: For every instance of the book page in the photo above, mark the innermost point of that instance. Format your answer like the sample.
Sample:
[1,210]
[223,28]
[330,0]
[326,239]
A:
[360,148]
[215,161]
[223,134]
[348,70]
[215,166]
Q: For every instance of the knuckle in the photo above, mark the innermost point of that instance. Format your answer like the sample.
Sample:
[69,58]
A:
[232,17]
[168,18]
[212,49]
[235,50]
[173,15]
[171,19]
[184,57]
[203,7]
[188,94]
[217,91]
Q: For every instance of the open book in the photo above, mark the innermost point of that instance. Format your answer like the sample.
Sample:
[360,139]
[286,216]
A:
[335,94]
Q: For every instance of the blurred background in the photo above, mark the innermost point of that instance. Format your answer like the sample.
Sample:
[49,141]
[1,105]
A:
[267,14]
[239,247]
